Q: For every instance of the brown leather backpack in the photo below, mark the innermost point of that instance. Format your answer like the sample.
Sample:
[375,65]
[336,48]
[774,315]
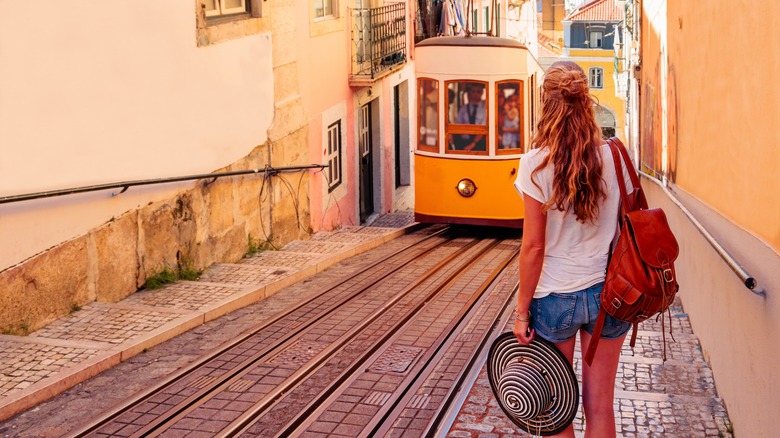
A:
[641,280]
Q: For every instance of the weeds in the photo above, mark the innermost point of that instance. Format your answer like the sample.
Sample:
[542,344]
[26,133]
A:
[256,245]
[20,329]
[252,246]
[184,271]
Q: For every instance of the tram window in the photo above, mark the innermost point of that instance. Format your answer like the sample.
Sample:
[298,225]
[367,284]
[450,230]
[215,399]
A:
[428,115]
[509,115]
[467,116]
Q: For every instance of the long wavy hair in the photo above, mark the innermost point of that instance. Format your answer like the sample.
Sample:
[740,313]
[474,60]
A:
[567,128]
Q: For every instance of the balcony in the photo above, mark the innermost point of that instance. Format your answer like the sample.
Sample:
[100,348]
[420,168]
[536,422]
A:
[378,43]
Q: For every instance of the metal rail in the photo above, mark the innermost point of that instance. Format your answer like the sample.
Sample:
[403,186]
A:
[748,280]
[167,385]
[127,184]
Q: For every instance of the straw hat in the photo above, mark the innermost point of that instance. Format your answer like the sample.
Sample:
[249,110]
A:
[534,384]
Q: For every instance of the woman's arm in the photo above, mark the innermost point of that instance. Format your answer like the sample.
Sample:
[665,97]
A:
[531,260]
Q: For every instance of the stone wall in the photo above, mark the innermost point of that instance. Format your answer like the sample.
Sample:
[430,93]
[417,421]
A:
[209,223]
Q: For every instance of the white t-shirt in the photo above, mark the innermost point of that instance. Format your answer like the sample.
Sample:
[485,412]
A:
[575,255]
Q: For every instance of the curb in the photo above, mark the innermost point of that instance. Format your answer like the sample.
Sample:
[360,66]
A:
[71,376]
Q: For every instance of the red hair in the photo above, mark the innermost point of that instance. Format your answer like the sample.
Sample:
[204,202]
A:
[567,128]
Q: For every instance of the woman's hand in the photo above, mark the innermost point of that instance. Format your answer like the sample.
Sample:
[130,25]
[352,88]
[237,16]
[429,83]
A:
[523,332]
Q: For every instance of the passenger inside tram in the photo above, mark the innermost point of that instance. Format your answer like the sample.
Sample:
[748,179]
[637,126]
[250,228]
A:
[473,112]
[508,117]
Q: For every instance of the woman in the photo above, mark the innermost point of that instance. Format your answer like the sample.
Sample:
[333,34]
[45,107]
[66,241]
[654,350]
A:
[571,199]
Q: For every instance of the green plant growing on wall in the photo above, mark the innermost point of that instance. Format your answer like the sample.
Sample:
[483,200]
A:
[160,279]
[20,329]
[184,271]
[187,272]
[255,245]
[252,246]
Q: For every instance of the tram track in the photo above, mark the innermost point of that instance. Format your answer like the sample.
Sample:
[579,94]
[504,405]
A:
[248,419]
[382,421]
[249,387]
[408,254]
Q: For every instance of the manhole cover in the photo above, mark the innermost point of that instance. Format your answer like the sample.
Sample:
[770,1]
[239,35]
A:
[299,353]
[396,359]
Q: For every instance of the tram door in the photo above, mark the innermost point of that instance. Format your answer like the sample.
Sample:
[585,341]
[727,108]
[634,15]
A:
[366,163]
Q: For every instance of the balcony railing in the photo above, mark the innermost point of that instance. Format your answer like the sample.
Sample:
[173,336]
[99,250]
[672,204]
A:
[378,41]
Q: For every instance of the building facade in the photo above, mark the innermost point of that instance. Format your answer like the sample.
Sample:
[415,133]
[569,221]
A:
[703,131]
[591,35]
[129,92]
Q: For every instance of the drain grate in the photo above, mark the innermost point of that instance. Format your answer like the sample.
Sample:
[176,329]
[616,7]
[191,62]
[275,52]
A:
[377,398]
[239,386]
[396,360]
[465,337]
[202,382]
[299,353]
[420,401]
[293,324]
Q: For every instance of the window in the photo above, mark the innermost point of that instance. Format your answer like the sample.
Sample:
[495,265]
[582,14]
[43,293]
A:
[222,20]
[325,8]
[596,75]
[428,122]
[476,20]
[334,155]
[509,117]
[224,7]
[487,19]
[467,116]
[596,40]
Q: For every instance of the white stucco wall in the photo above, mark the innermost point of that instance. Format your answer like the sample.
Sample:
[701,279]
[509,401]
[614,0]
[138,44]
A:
[99,92]
[738,329]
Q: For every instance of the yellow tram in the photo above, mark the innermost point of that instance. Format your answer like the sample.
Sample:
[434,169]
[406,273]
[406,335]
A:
[477,99]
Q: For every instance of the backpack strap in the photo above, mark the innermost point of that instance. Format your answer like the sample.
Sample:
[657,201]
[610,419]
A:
[618,149]
[594,340]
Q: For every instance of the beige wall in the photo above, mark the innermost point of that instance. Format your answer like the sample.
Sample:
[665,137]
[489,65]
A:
[123,91]
[707,120]
[94,94]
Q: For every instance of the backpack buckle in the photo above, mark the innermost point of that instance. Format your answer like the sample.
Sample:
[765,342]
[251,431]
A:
[668,275]
[616,303]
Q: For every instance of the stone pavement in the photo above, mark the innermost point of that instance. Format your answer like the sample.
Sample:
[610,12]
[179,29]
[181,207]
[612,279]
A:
[675,398]
[99,336]
[653,398]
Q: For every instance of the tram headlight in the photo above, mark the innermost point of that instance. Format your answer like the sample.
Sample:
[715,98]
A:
[466,187]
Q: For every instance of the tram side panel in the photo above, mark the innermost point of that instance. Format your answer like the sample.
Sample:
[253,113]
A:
[494,201]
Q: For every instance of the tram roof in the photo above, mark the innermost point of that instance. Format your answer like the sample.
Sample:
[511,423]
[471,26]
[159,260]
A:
[471,41]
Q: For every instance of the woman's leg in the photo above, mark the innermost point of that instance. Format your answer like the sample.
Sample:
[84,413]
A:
[567,348]
[598,386]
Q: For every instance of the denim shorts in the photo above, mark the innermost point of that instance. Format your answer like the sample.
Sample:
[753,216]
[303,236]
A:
[559,316]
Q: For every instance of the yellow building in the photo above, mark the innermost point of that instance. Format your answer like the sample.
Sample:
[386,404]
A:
[591,35]
[703,125]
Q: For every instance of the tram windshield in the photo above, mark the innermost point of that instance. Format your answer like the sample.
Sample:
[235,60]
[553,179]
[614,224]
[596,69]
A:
[473,111]
[467,113]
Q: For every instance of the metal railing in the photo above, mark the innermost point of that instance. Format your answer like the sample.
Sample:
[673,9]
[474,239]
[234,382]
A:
[746,278]
[127,184]
[378,39]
